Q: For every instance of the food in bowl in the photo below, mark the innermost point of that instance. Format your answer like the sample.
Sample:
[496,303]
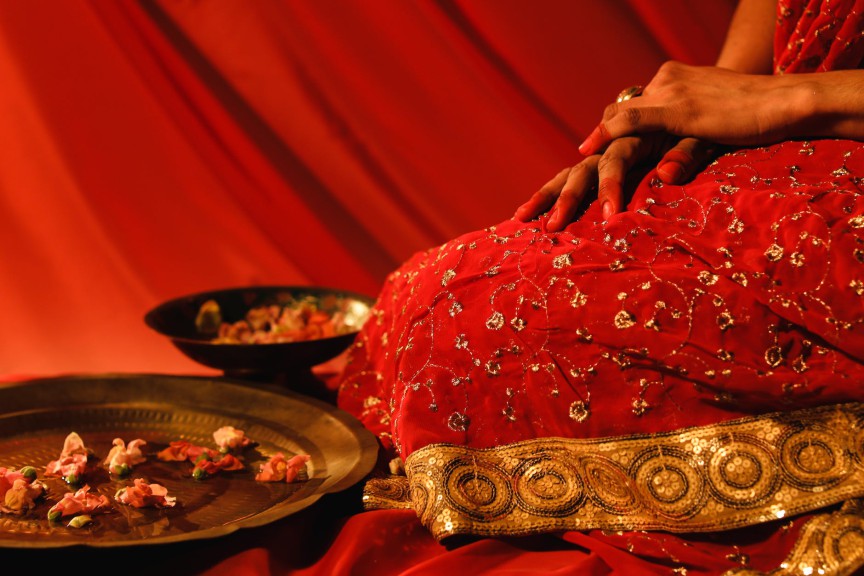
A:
[292,321]
[194,329]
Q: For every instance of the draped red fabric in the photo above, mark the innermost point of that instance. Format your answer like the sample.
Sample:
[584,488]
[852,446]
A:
[154,148]
[734,294]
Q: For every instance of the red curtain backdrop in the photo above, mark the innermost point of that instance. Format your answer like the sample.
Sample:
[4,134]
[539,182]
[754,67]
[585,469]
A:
[157,148]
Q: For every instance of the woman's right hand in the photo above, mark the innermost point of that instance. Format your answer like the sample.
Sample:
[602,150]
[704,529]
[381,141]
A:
[605,173]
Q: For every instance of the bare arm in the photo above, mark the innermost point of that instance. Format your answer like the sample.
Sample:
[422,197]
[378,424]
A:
[739,102]
[747,48]
[749,44]
[719,105]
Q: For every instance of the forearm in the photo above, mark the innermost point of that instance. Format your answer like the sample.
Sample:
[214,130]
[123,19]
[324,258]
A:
[827,104]
[749,41]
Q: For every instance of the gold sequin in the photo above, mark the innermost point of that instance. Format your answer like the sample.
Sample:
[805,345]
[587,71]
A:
[495,321]
[708,278]
[702,479]
[624,319]
[579,411]
[774,356]
[562,260]
[447,277]
[774,253]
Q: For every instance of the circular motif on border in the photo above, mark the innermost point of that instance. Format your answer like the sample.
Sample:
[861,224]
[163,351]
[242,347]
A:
[670,483]
[419,497]
[389,490]
[743,472]
[858,442]
[478,489]
[811,458]
[609,486]
[844,539]
[546,486]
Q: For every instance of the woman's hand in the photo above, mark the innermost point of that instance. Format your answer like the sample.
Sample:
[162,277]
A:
[606,174]
[709,103]
[703,106]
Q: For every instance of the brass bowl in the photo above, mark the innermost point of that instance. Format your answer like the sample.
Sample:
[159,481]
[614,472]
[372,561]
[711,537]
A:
[176,320]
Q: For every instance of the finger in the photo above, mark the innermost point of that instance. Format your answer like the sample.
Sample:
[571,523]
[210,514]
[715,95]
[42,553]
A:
[580,180]
[611,170]
[543,199]
[627,118]
[595,141]
[683,160]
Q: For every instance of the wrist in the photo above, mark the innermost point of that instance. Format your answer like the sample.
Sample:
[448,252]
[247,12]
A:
[803,109]
[827,105]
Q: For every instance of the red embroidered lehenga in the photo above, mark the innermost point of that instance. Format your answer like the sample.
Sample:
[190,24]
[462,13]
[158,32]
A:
[680,381]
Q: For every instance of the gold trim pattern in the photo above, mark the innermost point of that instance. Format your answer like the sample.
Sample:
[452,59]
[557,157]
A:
[701,479]
[829,544]
[385,493]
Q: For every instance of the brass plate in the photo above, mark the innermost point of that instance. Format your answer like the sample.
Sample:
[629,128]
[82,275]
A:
[37,415]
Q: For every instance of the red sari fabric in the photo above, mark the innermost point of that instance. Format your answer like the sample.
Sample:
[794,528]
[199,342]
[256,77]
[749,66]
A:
[818,35]
[735,294]
[738,293]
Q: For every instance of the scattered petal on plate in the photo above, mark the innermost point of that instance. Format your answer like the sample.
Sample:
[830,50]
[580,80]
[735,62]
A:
[8,476]
[230,438]
[207,461]
[206,465]
[175,452]
[21,496]
[143,494]
[278,469]
[79,502]
[123,458]
[72,462]
[181,450]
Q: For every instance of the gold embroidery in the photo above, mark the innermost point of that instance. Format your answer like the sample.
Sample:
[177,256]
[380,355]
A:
[708,478]
[387,493]
[829,544]
[624,320]
[774,252]
[579,411]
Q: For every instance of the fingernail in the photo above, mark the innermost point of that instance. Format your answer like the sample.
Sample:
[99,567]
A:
[671,172]
[586,148]
[608,210]
[679,156]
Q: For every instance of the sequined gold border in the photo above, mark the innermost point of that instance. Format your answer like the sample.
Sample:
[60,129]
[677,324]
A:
[828,545]
[709,478]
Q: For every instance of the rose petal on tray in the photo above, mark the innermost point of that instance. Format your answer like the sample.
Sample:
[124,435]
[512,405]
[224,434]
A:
[143,494]
[278,469]
[123,458]
[78,502]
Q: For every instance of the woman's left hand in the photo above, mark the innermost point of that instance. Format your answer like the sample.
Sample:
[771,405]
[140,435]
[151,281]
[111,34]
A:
[605,175]
[708,103]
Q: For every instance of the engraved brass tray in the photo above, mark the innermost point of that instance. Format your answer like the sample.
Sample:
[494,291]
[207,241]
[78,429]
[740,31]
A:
[37,415]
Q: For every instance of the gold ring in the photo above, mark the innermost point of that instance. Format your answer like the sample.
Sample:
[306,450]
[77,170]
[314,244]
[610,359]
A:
[628,93]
